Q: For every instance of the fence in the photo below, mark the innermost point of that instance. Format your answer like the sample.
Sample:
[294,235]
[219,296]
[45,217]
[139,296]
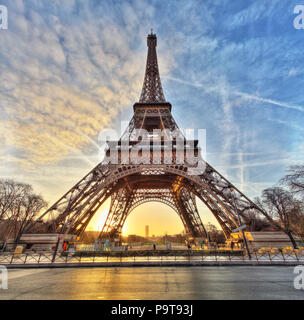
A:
[152,257]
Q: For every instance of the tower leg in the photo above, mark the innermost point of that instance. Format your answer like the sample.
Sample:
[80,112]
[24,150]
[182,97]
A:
[187,209]
[120,201]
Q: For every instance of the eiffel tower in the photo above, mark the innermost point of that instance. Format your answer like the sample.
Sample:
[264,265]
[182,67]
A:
[142,171]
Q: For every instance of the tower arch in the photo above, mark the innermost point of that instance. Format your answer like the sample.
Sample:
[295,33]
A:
[167,175]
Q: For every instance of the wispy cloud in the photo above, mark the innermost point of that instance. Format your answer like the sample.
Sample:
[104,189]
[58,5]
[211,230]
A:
[219,89]
[66,73]
[70,68]
[269,101]
[288,123]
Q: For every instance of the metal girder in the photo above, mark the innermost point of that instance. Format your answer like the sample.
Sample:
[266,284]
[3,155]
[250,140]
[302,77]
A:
[152,89]
[76,209]
[132,184]
[182,201]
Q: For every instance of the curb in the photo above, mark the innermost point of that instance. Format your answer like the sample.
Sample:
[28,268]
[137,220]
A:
[152,264]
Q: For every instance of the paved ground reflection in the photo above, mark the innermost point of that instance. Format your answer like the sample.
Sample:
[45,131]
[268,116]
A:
[153,283]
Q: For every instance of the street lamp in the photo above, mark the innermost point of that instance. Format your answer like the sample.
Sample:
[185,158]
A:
[244,237]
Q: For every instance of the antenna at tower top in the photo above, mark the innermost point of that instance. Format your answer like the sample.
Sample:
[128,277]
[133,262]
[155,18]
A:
[152,91]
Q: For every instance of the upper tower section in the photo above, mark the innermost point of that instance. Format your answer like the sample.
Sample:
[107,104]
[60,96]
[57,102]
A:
[152,91]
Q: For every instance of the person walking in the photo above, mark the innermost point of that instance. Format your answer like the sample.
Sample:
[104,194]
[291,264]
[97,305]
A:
[232,245]
[64,246]
[95,245]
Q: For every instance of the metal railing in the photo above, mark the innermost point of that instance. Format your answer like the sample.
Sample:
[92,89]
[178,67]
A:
[151,257]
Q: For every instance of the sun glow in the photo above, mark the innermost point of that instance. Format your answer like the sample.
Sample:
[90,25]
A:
[98,221]
[160,218]
[124,230]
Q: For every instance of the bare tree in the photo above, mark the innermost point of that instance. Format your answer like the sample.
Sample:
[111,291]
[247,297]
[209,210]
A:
[18,207]
[279,208]
[255,222]
[6,198]
[211,227]
[297,222]
[295,179]
[10,193]
[31,205]
[214,234]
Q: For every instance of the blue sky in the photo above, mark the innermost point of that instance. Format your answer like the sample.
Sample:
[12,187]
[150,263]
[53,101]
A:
[70,68]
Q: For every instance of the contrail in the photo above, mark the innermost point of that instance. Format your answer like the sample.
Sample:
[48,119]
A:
[270,101]
[287,123]
[239,93]
[262,163]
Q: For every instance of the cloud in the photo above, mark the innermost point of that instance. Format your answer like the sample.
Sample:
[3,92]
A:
[288,123]
[230,92]
[71,68]
[269,101]
[293,72]
[253,12]
[66,76]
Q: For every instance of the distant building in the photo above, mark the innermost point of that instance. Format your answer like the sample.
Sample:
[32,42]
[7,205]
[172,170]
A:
[147,231]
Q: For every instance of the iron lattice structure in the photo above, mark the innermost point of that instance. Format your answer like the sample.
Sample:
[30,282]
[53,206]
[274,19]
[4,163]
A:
[152,91]
[129,182]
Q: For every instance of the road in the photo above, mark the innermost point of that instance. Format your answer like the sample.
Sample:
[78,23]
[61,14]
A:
[141,283]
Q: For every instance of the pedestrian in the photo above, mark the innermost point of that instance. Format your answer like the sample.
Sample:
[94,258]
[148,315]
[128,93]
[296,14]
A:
[154,246]
[232,245]
[96,245]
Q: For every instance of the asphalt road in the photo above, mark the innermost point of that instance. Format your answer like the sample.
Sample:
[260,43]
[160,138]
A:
[152,283]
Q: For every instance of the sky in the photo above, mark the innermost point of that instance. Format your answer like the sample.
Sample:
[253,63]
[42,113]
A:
[71,68]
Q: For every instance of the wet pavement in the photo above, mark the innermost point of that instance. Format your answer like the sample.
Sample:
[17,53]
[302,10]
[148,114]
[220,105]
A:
[153,283]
